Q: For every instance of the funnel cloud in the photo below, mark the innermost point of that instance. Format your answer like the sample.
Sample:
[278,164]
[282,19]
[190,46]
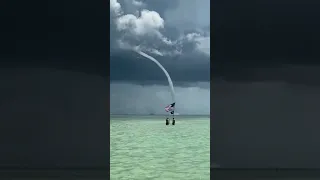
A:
[182,50]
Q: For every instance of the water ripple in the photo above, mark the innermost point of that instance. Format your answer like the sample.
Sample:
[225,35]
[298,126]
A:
[149,150]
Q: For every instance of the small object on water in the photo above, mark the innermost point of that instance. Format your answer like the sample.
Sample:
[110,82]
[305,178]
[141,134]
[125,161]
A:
[173,122]
[167,121]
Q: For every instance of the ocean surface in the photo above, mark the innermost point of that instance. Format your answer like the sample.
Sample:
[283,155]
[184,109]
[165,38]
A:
[144,148]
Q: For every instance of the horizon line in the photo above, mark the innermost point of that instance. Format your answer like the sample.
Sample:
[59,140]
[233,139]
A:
[164,114]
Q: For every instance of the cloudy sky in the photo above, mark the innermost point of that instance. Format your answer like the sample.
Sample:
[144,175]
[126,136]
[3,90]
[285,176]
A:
[180,40]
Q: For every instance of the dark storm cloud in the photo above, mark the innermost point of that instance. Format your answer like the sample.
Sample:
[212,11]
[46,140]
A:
[132,67]
[185,60]
[265,125]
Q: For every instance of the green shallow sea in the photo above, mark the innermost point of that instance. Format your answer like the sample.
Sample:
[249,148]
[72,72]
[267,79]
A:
[144,148]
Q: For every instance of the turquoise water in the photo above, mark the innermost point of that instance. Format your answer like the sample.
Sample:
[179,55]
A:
[144,148]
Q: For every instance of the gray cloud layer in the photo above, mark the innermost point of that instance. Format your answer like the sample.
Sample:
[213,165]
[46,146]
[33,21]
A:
[134,68]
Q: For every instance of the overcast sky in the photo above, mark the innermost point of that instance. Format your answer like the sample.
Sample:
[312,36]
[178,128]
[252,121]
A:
[175,32]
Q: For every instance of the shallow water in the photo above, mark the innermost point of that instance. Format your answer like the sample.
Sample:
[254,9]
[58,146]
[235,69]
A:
[144,148]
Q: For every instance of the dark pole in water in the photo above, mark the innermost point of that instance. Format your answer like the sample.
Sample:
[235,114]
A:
[173,120]
[167,121]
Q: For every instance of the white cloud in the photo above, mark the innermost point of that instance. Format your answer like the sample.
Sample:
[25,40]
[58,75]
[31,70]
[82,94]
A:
[157,52]
[160,52]
[115,7]
[203,42]
[203,45]
[139,26]
[144,24]
[137,99]
[192,15]
[148,23]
